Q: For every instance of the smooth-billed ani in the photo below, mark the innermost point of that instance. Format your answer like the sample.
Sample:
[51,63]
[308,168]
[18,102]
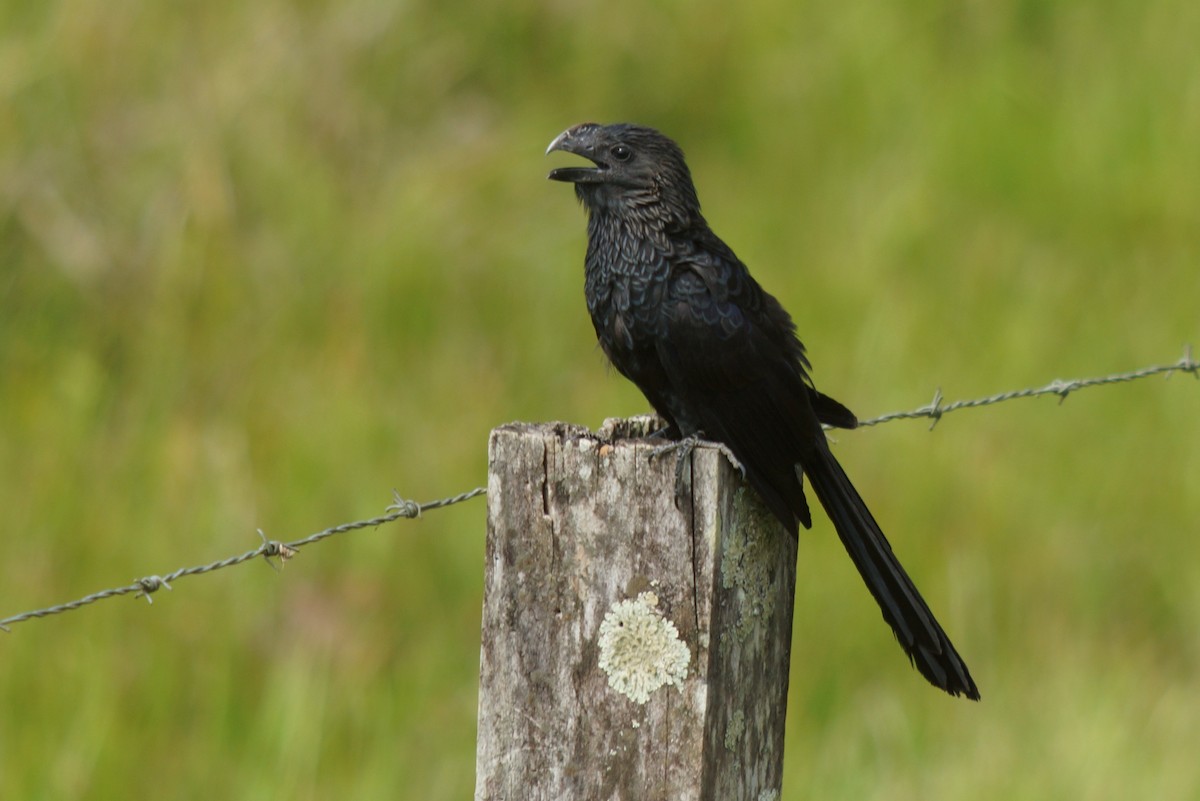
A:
[680,316]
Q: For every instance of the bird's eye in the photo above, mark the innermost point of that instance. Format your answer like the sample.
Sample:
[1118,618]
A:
[620,152]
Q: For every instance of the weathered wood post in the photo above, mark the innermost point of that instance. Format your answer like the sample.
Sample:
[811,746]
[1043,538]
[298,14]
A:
[632,650]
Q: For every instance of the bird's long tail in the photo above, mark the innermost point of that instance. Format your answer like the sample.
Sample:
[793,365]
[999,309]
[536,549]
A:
[905,611]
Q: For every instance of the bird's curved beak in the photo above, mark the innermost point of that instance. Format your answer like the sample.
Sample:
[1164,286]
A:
[579,140]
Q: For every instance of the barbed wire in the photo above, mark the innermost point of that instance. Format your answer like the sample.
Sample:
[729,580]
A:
[147,585]
[936,410]
[407,509]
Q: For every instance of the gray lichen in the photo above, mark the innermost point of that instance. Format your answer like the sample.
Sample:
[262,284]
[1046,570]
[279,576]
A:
[749,560]
[735,729]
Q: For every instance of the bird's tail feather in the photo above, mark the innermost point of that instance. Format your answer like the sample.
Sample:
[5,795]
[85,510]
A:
[905,611]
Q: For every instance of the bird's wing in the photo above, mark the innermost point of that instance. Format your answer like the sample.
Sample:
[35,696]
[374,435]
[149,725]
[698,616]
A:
[722,351]
[741,374]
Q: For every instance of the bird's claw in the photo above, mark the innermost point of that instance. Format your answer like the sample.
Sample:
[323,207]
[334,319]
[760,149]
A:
[685,447]
[733,460]
[688,444]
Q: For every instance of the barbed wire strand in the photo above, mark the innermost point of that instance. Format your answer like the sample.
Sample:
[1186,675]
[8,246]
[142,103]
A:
[147,585]
[401,508]
[935,410]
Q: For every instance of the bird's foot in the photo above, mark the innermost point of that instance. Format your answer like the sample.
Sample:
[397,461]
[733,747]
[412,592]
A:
[684,448]
[733,460]
[688,444]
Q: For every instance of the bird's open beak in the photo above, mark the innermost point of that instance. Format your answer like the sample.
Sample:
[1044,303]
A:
[579,140]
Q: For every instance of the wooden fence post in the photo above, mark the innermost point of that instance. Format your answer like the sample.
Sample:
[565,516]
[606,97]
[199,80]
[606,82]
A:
[633,648]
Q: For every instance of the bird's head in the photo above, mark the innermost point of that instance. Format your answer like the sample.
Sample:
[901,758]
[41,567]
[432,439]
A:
[636,170]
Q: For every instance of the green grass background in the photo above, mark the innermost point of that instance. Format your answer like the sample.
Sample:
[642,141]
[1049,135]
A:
[262,262]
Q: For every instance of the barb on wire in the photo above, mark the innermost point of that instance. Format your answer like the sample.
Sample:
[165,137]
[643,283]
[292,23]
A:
[149,585]
[936,410]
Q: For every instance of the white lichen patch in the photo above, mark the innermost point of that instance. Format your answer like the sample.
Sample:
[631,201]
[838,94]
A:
[640,650]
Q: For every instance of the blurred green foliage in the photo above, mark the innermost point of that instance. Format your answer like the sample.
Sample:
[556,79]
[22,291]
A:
[262,262]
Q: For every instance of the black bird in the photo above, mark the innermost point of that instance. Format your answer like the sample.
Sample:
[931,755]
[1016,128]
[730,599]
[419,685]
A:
[679,315]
